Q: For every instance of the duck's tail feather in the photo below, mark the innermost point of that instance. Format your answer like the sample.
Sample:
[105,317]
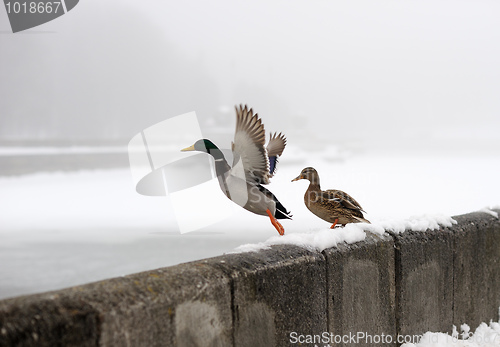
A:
[281,212]
[362,220]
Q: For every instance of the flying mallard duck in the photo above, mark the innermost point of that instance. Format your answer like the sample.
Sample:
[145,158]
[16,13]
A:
[253,165]
[333,206]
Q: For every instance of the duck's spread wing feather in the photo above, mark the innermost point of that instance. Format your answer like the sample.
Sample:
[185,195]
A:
[343,198]
[275,147]
[248,146]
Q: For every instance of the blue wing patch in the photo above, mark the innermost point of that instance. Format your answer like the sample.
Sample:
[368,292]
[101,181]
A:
[272,164]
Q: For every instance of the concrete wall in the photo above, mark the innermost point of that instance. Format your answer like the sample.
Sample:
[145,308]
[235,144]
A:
[395,284]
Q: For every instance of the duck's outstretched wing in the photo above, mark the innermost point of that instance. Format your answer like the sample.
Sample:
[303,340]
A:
[248,146]
[275,147]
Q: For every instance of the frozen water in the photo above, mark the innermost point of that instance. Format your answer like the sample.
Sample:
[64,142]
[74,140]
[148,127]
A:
[65,228]
[46,150]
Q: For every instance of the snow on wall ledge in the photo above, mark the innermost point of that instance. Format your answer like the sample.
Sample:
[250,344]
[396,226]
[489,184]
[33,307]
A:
[393,284]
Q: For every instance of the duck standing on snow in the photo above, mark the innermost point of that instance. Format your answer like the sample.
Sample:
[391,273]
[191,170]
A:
[333,206]
[253,165]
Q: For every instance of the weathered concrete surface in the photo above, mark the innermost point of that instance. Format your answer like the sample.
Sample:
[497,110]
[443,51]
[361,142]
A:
[276,292]
[449,276]
[361,297]
[185,305]
[476,279]
[424,281]
[48,320]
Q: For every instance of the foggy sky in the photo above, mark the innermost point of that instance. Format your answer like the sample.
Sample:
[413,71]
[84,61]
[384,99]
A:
[337,69]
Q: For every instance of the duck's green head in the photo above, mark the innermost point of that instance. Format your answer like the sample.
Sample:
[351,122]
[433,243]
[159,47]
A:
[202,145]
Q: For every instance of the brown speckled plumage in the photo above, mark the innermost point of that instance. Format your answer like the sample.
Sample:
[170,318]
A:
[333,206]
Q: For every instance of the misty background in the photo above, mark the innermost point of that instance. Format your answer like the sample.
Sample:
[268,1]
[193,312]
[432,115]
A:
[342,71]
[395,102]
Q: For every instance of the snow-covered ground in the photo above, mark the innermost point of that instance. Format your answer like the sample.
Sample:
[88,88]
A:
[65,228]
[485,335]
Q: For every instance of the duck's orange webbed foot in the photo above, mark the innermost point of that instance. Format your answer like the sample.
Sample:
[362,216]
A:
[276,224]
[334,224]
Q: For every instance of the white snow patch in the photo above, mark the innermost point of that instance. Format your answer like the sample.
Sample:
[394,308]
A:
[327,238]
[418,223]
[465,328]
[313,240]
[484,336]
[489,211]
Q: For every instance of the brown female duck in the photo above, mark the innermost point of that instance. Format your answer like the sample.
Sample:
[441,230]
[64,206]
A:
[333,206]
